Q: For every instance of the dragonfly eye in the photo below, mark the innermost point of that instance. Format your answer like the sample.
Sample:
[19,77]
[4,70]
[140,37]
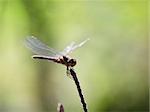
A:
[72,62]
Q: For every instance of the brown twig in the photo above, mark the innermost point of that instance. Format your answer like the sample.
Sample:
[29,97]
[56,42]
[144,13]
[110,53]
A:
[73,73]
[60,108]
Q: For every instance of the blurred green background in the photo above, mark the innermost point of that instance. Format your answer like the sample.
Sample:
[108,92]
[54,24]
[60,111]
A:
[112,67]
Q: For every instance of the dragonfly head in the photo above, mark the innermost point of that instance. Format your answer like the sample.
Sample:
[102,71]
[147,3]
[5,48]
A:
[72,62]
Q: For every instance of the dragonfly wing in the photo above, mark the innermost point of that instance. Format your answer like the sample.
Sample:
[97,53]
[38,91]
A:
[72,47]
[39,47]
[79,45]
[68,48]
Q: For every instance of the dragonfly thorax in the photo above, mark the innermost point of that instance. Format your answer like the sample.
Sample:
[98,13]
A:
[69,61]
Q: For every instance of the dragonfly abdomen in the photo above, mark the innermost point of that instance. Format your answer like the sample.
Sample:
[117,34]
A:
[57,60]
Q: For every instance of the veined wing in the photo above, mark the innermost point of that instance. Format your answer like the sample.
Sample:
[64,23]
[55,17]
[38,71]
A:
[73,46]
[68,48]
[39,48]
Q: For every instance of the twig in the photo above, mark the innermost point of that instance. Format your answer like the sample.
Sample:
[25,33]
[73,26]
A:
[73,73]
[60,108]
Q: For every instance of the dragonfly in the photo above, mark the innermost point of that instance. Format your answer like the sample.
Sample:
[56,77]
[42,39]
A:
[43,51]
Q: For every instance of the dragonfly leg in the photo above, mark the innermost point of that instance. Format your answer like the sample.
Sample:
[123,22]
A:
[68,73]
[67,68]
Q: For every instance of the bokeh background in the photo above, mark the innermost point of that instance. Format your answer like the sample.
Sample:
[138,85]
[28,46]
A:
[112,67]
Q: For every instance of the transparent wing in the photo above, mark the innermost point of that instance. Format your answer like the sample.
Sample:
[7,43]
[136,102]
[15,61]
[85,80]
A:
[37,47]
[68,48]
[72,47]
